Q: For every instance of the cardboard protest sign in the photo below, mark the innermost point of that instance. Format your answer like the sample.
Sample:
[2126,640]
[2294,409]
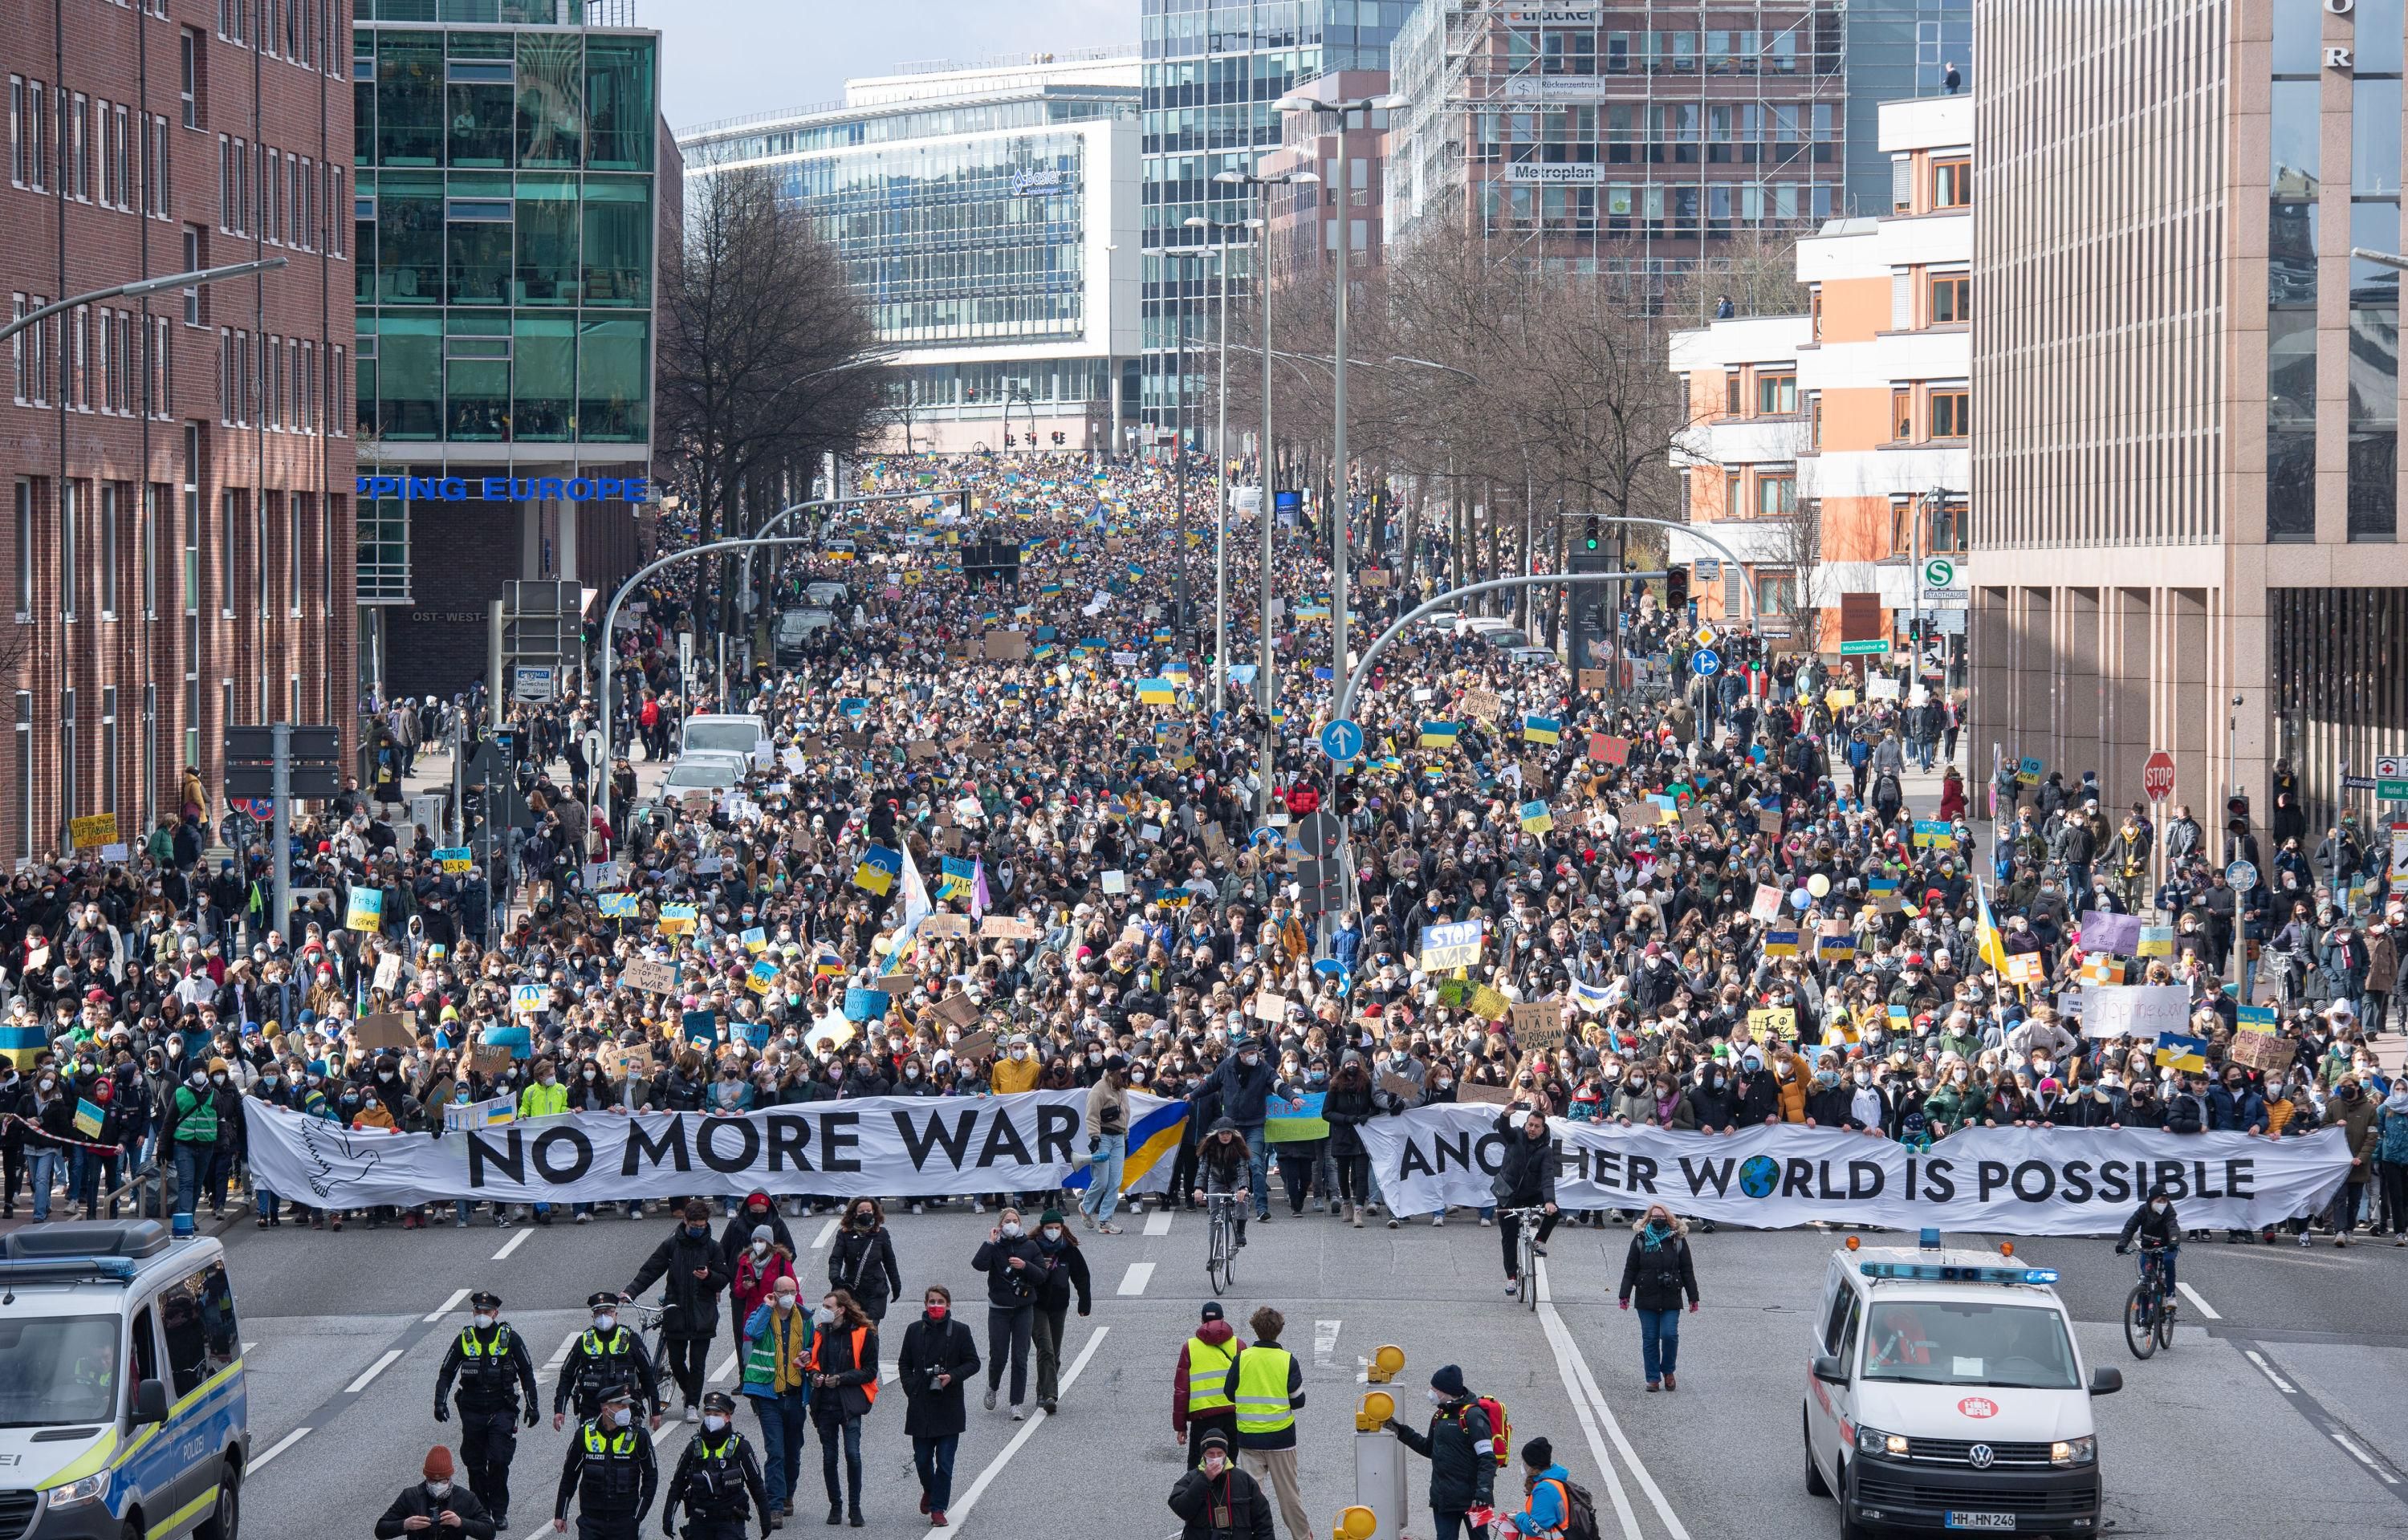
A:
[1007,928]
[937,927]
[384,1030]
[1539,1025]
[644,974]
[975,1045]
[958,1009]
[1486,704]
[1490,1095]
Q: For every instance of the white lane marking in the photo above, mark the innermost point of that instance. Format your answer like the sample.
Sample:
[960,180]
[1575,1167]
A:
[828,1234]
[2366,1460]
[727,1367]
[447,1306]
[250,1347]
[1138,1276]
[888,1375]
[1324,1342]
[968,1500]
[560,1354]
[1158,1223]
[2198,1303]
[1560,1340]
[373,1370]
[513,1243]
[2268,1370]
[296,1436]
[1605,1414]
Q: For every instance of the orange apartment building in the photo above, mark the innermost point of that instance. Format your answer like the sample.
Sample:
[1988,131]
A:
[1817,442]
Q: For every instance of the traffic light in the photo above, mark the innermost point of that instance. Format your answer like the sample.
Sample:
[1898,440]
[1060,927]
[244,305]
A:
[1009,441]
[2237,806]
[1676,589]
[1057,437]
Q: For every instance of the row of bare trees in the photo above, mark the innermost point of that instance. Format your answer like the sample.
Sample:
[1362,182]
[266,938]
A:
[1503,396]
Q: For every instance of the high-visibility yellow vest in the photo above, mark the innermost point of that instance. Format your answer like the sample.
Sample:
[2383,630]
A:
[1262,1390]
[1207,1366]
[542,1101]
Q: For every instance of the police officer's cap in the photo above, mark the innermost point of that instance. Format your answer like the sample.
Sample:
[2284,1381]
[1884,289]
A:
[617,1394]
[484,1299]
[718,1401]
[601,1299]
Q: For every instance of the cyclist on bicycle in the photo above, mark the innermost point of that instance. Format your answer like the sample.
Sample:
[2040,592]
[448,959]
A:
[1223,1165]
[2159,1230]
[1525,1179]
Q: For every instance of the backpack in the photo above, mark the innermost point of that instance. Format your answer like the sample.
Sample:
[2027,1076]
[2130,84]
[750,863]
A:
[1580,1512]
[1501,1429]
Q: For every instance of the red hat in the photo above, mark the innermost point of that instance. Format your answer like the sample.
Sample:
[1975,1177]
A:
[439,1464]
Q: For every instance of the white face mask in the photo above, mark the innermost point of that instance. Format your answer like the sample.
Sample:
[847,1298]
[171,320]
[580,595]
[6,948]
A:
[2158,1205]
[1436,1396]
[623,1416]
[1012,1227]
[439,1489]
[592,1073]
[605,1322]
[482,1321]
[760,1248]
[785,1301]
[824,1314]
[1053,1232]
[714,1422]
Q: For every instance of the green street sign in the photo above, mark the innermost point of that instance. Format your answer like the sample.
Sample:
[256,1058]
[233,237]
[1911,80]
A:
[1860,649]
[2391,791]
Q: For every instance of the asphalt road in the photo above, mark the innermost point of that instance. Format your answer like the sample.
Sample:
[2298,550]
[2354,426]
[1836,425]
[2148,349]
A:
[2291,1394]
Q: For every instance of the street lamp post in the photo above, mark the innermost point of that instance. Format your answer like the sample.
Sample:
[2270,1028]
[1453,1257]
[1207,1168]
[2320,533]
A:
[1342,498]
[1221,470]
[1265,671]
[192,279]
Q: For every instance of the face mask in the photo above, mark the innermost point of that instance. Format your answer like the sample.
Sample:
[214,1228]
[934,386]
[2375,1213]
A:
[1864,1077]
[937,1310]
[623,1416]
[911,1071]
[482,1321]
[697,1231]
[1053,1232]
[760,1249]
[220,1080]
[49,1084]
[824,1315]
[2158,1205]
[1436,1396]
[1250,1060]
[592,1073]
[439,1489]
[1958,1078]
[1011,1228]
[713,1423]
[549,1079]
[605,1322]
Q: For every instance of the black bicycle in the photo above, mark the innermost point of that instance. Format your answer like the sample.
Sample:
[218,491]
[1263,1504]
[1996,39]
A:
[2149,1309]
[1221,1239]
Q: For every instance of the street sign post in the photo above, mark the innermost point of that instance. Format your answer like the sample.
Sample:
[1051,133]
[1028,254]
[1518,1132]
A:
[2158,776]
[1705,662]
[1341,740]
[1939,572]
[2391,778]
[1874,647]
[2241,875]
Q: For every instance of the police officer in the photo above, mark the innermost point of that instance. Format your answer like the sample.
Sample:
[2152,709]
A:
[713,1477]
[495,1380]
[612,1469]
[606,1357]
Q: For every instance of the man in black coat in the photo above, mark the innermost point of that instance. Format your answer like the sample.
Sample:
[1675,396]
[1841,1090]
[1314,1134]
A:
[1218,1501]
[1460,1448]
[938,1360]
[451,1512]
[696,1270]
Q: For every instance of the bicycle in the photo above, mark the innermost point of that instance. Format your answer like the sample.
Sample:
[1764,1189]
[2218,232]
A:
[2149,1310]
[1221,1239]
[650,1330]
[1526,1236]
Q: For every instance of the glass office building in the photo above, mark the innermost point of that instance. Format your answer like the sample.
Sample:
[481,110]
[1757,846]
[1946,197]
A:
[981,214]
[510,197]
[1213,68]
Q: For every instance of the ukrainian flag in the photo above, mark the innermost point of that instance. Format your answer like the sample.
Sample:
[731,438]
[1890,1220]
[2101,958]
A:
[1153,1140]
[827,964]
[1135,570]
[1439,735]
[2183,1053]
[1156,692]
[1986,939]
[1542,730]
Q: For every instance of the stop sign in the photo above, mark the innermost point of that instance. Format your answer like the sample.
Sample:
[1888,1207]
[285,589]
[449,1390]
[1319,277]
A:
[2158,776]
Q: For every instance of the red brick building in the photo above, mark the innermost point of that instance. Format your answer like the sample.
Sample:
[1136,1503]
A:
[178,535]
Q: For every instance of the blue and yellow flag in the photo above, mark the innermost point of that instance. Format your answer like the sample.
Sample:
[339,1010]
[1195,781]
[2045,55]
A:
[1439,735]
[1542,730]
[2176,1051]
[1987,941]
[1156,692]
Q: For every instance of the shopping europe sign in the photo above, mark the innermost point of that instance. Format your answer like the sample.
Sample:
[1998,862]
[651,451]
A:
[505,489]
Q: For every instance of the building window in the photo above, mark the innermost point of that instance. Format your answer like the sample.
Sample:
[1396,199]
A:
[108,748]
[1901,414]
[1952,414]
[67,511]
[1951,184]
[1730,393]
[152,495]
[1952,295]
[19,147]
[24,549]
[69,792]
[1815,419]
[300,512]
[1777,493]
[108,513]
[25,770]
[38,135]
[1776,394]
[1777,592]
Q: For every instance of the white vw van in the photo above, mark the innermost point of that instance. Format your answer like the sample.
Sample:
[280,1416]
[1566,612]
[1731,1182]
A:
[1944,1392]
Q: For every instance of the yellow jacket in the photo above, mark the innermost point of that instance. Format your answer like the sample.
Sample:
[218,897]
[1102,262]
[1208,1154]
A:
[1012,1075]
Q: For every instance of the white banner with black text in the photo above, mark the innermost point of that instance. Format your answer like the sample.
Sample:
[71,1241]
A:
[2014,1181]
[877,1145]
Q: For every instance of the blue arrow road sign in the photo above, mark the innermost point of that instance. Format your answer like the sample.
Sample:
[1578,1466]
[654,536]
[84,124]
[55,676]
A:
[1341,740]
[1705,661]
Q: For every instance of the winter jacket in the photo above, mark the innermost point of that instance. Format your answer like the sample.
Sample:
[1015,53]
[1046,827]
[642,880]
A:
[693,1302]
[1008,1288]
[1213,1334]
[1655,1276]
[416,1502]
[1526,1174]
[862,1264]
[1197,1497]
[856,1379]
[1066,1274]
[1237,1092]
[931,1411]
[1463,1468]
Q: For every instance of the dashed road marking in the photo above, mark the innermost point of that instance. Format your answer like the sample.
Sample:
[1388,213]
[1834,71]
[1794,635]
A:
[2210,1311]
[512,1245]
[968,1500]
[828,1234]
[1158,1223]
[296,1436]
[1138,1277]
[391,1356]
[1324,1342]
[560,1354]
[2268,1370]
[447,1306]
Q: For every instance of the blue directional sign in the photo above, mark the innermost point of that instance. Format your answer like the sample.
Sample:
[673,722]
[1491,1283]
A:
[2241,875]
[1341,740]
[1705,662]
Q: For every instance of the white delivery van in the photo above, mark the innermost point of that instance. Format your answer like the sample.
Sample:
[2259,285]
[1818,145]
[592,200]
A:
[1944,1392]
[742,733]
[123,1408]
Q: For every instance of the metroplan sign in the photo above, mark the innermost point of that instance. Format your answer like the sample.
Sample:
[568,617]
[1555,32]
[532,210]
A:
[505,489]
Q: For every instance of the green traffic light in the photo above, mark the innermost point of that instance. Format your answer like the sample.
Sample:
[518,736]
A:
[1592,542]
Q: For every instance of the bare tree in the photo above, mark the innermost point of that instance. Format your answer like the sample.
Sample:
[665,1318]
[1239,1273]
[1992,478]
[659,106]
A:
[763,356]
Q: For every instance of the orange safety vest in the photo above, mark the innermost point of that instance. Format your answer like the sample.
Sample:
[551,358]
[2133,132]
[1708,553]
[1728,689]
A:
[859,1333]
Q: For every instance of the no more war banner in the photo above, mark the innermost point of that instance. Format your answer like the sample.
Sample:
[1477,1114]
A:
[2014,1181]
[876,1145]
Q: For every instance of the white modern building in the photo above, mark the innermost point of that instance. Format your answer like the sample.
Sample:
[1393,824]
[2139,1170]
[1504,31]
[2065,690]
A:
[989,215]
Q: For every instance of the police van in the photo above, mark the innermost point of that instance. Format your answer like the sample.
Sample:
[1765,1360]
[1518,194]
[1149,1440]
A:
[121,1402]
[1944,1390]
